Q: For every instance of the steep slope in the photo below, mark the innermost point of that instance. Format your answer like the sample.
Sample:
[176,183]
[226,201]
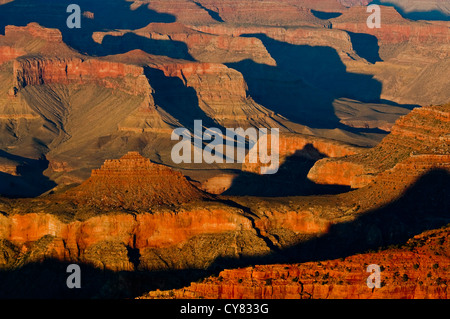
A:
[56,102]
[134,182]
[185,11]
[422,132]
[417,270]
[286,12]
[100,224]
[396,29]
[201,46]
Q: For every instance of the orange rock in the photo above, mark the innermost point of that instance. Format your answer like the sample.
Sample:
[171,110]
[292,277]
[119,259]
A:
[8,53]
[423,131]
[335,172]
[395,29]
[38,71]
[414,271]
[306,146]
[35,30]
[134,182]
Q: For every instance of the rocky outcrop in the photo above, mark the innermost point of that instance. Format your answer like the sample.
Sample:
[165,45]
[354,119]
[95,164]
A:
[103,240]
[262,13]
[218,184]
[134,182]
[8,53]
[392,183]
[422,132]
[335,172]
[414,271]
[8,167]
[305,146]
[203,47]
[294,35]
[221,94]
[36,31]
[395,29]
[185,11]
[39,71]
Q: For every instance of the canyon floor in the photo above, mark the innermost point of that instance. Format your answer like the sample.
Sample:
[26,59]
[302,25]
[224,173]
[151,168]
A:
[87,174]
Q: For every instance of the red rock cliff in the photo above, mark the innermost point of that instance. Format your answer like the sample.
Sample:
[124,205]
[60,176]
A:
[133,182]
[419,270]
[38,71]
[423,131]
[395,29]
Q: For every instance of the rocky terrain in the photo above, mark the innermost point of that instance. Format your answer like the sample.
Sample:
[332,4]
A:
[126,217]
[416,270]
[134,183]
[429,125]
[87,175]
[224,71]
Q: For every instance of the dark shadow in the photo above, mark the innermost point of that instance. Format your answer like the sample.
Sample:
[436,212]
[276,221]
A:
[134,256]
[424,206]
[30,180]
[129,41]
[325,15]
[366,46]
[290,180]
[113,15]
[212,14]
[179,100]
[47,280]
[433,15]
[305,82]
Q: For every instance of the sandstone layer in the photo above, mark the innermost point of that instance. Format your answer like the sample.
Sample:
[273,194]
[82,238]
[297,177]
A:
[423,131]
[417,270]
[134,182]
[395,28]
[298,145]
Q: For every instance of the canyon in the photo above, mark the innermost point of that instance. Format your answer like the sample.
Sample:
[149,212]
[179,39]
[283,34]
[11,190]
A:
[178,227]
[87,176]
[427,124]
[415,274]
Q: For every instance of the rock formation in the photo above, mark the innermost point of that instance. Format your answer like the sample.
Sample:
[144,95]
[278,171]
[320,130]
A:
[71,99]
[299,145]
[416,270]
[134,182]
[38,71]
[202,46]
[422,132]
[395,28]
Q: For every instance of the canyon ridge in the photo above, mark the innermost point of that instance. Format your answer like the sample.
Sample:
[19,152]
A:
[87,174]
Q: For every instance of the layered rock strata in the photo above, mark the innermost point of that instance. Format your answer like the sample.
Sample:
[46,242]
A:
[424,131]
[417,270]
[134,182]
